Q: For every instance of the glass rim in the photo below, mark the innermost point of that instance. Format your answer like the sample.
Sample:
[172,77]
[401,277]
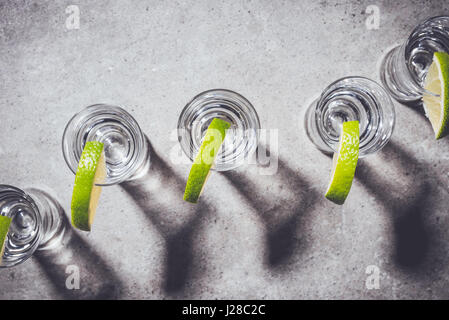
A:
[386,108]
[403,48]
[123,112]
[25,195]
[243,104]
[249,104]
[36,243]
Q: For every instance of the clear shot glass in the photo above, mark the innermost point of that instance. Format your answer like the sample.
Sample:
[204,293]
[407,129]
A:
[241,138]
[36,223]
[348,99]
[404,68]
[125,146]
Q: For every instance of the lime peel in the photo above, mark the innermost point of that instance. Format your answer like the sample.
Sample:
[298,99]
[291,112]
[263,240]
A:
[204,161]
[344,163]
[5,222]
[86,192]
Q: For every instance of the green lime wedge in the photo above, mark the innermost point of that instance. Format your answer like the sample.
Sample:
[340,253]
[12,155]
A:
[4,227]
[344,163]
[205,158]
[91,171]
[437,106]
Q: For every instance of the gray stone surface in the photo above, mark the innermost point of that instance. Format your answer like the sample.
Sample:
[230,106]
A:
[253,236]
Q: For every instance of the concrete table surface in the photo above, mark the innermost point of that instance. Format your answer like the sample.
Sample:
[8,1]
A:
[253,236]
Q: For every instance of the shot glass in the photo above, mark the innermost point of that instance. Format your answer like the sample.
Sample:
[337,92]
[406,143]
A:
[241,138]
[125,146]
[349,99]
[404,68]
[36,223]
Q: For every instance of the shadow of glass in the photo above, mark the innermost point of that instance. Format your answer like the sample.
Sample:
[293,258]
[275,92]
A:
[282,219]
[96,279]
[417,107]
[159,194]
[412,235]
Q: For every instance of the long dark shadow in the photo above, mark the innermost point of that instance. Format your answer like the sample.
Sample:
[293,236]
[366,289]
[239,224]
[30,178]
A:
[413,237]
[97,279]
[281,220]
[416,106]
[159,194]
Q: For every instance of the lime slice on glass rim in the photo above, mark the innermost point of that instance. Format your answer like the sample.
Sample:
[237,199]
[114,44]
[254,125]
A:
[437,106]
[5,222]
[344,163]
[205,159]
[86,193]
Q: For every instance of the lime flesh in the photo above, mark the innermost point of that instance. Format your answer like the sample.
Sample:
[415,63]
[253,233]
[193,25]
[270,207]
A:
[199,173]
[436,106]
[91,171]
[344,163]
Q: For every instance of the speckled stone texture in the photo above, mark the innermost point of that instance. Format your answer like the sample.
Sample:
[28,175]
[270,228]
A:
[253,236]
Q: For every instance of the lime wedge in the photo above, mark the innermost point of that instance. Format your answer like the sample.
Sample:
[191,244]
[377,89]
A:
[437,82]
[205,158]
[91,171]
[344,163]
[4,227]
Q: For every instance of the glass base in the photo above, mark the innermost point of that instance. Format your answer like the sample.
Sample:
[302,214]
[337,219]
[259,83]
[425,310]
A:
[396,79]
